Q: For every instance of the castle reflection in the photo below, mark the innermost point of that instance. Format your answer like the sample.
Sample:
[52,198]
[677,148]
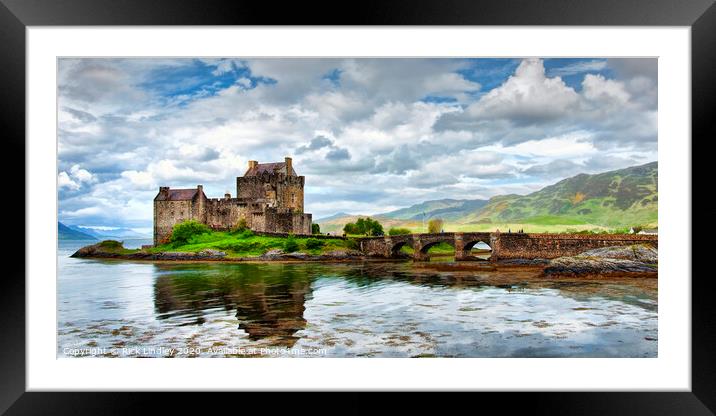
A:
[266,303]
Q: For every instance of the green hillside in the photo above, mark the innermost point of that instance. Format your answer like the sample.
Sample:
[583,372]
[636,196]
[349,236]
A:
[619,198]
[447,209]
[605,201]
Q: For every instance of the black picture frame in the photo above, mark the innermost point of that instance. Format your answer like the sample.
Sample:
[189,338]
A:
[16,15]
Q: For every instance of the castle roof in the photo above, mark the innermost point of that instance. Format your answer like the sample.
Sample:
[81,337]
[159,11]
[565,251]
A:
[276,167]
[177,195]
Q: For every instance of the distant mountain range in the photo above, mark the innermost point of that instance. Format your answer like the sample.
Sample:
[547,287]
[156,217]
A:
[620,198]
[447,209]
[74,232]
[66,233]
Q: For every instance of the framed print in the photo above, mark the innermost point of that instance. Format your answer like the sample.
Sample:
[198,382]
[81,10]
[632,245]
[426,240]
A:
[459,198]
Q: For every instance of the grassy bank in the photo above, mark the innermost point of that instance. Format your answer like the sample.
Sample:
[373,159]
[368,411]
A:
[247,244]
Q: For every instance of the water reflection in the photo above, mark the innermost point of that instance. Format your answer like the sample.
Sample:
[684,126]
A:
[373,309]
[265,305]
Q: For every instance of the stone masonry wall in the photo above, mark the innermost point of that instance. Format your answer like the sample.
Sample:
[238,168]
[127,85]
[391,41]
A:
[224,213]
[278,190]
[168,213]
[549,246]
[279,221]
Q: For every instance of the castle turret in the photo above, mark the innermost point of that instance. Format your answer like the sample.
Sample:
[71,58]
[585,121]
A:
[289,165]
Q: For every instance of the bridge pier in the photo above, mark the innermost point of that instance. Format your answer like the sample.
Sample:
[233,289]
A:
[418,253]
[420,256]
[460,253]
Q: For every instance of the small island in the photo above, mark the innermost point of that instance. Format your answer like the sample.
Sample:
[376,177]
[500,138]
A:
[193,241]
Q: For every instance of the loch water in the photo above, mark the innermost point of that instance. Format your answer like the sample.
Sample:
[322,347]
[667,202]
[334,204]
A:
[113,308]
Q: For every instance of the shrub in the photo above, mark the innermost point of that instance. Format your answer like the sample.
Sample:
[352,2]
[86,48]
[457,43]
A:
[315,229]
[241,246]
[240,227]
[398,231]
[352,244]
[314,243]
[435,225]
[244,234]
[111,244]
[290,245]
[184,231]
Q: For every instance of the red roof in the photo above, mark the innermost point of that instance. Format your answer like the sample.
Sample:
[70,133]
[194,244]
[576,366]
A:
[178,195]
[278,167]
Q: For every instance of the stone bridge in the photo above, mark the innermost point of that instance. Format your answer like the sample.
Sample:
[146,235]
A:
[504,245]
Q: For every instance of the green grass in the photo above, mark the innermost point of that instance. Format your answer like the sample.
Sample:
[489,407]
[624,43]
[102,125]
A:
[114,246]
[250,245]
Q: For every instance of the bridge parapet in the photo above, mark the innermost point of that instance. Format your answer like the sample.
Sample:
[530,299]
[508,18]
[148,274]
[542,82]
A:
[503,245]
[549,246]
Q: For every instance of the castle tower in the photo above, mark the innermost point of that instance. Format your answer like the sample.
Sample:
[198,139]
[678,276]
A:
[275,185]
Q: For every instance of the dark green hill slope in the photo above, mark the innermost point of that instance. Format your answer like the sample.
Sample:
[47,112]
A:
[622,197]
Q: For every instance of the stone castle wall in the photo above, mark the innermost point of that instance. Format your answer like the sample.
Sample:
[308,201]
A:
[277,190]
[224,213]
[274,220]
[169,213]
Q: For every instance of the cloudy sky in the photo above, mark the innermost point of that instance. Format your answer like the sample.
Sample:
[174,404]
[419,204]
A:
[370,135]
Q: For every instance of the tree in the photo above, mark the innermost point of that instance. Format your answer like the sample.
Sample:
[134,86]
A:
[350,228]
[435,225]
[315,228]
[398,231]
[364,226]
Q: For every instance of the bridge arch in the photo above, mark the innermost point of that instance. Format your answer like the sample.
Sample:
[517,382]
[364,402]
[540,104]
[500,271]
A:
[470,244]
[397,246]
[422,246]
[427,246]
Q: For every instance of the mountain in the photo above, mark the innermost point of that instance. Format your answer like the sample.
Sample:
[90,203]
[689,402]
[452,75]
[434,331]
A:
[116,233]
[616,199]
[447,209]
[332,217]
[66,233]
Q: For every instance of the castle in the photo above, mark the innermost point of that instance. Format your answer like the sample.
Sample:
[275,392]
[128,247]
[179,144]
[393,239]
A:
[269,197]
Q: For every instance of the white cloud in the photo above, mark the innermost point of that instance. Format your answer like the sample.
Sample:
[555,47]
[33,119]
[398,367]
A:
[64,181]
[81,175]
[528,95]
[598,88]
[382,145]
[579,67]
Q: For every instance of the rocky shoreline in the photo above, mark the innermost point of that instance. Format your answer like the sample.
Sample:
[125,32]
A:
[97,251]
[633,261]
[636,261]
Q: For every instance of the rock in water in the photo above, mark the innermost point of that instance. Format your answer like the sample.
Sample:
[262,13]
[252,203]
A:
[642,253]
[637,259]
